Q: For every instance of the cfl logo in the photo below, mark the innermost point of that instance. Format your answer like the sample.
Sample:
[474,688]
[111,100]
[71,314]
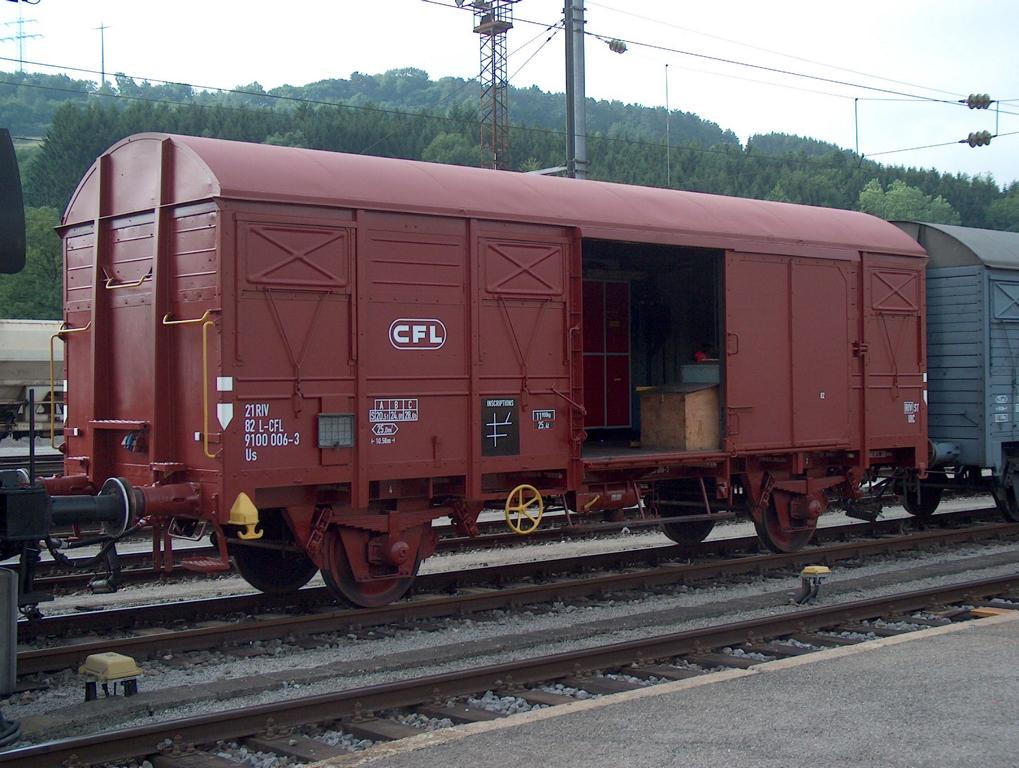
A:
[417,333]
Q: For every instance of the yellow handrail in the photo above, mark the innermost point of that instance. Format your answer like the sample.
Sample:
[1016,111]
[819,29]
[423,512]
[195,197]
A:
[206,322]
[168,321]
[110,285]
[53,379]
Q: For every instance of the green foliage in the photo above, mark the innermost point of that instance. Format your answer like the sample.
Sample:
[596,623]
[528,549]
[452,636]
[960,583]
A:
[451,148]
[28,100]
[905,202]
[126,86]
[24,152]
[1004,213]
[79,135]
[35,292]
[779,144]
[287,139]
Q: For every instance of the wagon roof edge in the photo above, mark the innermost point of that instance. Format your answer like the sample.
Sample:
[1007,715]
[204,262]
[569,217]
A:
[950,245]
[205,168]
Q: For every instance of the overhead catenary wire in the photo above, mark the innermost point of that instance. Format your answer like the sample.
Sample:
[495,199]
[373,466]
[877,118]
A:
[240,91]
[768,50]
[908,97]
[934,146]
[457,91]
[747,154]
[893,94]
[196,86]
[670,61]
[546,27]
[554,31]
[781,71]
[677,51]
[745,64]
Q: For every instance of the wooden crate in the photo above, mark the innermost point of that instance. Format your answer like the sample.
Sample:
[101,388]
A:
[682,417]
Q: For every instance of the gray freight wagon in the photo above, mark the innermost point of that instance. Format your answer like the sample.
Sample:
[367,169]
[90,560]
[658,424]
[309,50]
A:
[972,363]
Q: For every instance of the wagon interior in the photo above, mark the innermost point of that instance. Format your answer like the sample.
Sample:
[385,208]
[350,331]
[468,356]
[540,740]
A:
[650,313]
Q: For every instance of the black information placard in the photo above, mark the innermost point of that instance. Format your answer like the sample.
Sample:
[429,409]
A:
[500,426]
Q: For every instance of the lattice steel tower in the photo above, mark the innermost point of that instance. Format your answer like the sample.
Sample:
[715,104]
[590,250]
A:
[492,20]
[20,36]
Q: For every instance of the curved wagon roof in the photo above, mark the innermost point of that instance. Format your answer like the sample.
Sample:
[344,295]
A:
[952,246]
[147,170]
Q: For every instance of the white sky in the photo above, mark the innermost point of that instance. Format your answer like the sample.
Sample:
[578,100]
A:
[952,47]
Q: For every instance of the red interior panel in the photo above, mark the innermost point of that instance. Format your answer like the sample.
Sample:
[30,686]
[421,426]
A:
[607,353]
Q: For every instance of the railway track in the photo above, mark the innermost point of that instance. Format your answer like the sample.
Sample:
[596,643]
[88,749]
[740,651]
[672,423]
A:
[136,565]
[45,463]
[239,619]
[499,576]
[289,727]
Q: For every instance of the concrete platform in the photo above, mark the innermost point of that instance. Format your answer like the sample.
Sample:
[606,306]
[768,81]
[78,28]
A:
[942,697]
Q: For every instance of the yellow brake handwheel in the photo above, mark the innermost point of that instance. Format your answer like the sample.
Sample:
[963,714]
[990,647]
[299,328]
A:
[524,508]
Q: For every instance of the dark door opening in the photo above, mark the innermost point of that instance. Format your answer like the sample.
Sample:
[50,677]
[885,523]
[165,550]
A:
[652,332]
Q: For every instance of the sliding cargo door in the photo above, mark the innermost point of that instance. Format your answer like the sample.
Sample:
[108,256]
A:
[787,352]
[821,328]
[757,352]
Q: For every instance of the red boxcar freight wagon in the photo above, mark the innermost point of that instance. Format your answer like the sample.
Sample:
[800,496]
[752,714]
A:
[314,354]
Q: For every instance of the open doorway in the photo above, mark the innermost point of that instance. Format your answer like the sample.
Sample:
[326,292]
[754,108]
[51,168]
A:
[653,331]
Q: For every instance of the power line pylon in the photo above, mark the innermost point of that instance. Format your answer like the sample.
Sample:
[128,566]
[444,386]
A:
[20,36]
[492,20]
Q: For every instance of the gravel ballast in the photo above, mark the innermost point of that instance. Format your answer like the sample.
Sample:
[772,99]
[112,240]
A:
[284,671]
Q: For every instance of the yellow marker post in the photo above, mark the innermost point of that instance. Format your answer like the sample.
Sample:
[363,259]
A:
[811,579]
[105,668]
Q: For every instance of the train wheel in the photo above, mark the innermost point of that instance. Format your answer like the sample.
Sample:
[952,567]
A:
[779,539]
[926,505]
[688,533]
[273,571]
[1009,508]
[1005,497]
[339,578]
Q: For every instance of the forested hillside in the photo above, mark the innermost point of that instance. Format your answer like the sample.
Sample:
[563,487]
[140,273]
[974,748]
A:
[403,113]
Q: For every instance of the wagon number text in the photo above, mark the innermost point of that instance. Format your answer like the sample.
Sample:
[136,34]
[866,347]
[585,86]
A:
[261,431]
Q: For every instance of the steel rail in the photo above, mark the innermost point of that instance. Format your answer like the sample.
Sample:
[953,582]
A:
[274,626]
[493,534]
[143,741]
[136,565]
[133,572]
[43,463]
